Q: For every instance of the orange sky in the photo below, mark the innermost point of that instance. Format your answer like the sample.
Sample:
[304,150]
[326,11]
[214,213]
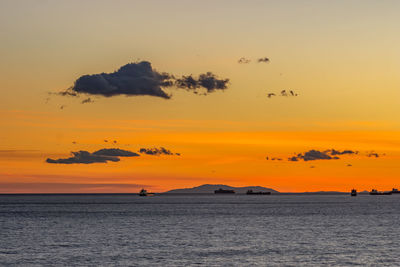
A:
[342,59]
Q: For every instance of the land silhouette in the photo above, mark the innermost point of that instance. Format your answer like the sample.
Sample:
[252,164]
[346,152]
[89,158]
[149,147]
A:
[210,188]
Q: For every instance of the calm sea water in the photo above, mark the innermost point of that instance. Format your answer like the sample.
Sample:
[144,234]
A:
[209,230]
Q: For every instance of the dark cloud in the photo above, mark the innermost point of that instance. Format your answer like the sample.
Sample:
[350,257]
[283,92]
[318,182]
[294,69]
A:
[115,152]
[320,155]
[263,59]
[83,157]
[99,156]
[314,155]
[311,155]
[132,79]
[244,60]
[140,78]
[157,151]
[373,154]
[87,100]
[336,152]
[208,81]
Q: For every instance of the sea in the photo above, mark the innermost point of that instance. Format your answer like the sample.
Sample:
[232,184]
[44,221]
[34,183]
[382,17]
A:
[199,230]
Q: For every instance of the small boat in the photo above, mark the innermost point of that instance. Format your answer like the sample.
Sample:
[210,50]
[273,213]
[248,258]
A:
[251,192]
[353,193]
[376,192]
[395,191]
[224,191]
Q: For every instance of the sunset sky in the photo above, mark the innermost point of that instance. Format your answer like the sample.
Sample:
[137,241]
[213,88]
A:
[341,58]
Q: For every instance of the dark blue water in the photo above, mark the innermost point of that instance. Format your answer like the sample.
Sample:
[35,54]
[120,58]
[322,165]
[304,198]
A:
[210,230]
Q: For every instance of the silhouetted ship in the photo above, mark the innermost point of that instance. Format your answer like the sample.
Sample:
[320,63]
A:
[251,192]
[353,193]
[376,192]
[223,191]
[144,193]
[395,191]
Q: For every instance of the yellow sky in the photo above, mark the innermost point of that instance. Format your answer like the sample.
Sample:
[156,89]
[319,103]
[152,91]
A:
[342,58]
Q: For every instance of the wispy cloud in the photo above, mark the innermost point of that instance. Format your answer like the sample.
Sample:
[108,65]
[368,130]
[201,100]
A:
[157,151]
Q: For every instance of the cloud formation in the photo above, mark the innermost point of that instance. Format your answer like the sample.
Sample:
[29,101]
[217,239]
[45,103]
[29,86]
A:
[115,152]
[263,60]
[87,100]
[209,81]
[135,79]
[131,79]
[99,156]
[286,93]
[83,157]
[320,155]
[336,152]
[244,60]
[373,154]
[157,151]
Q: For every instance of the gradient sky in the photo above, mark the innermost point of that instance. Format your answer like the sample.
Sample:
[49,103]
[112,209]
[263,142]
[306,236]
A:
[341,57]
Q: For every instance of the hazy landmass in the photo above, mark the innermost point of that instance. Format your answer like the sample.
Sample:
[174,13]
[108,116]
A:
[209,188]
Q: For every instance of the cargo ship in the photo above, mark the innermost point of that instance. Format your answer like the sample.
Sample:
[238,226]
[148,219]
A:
[376,192]
[251,192]
[223,191]
[395,191]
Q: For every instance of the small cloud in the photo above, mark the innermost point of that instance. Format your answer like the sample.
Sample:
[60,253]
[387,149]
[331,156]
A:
[68,92]
[105,141]
[87,100]
[373,154]
[83,157]
[312,155]
[336,152]
[115,152]
[263,60]
[285,93]
[321,155]
[208,81]
[157,151]
[349,165]
[244,60]
[115,141]
[74,142]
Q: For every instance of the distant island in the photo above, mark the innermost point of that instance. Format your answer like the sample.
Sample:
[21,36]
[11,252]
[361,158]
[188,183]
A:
[210,188]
